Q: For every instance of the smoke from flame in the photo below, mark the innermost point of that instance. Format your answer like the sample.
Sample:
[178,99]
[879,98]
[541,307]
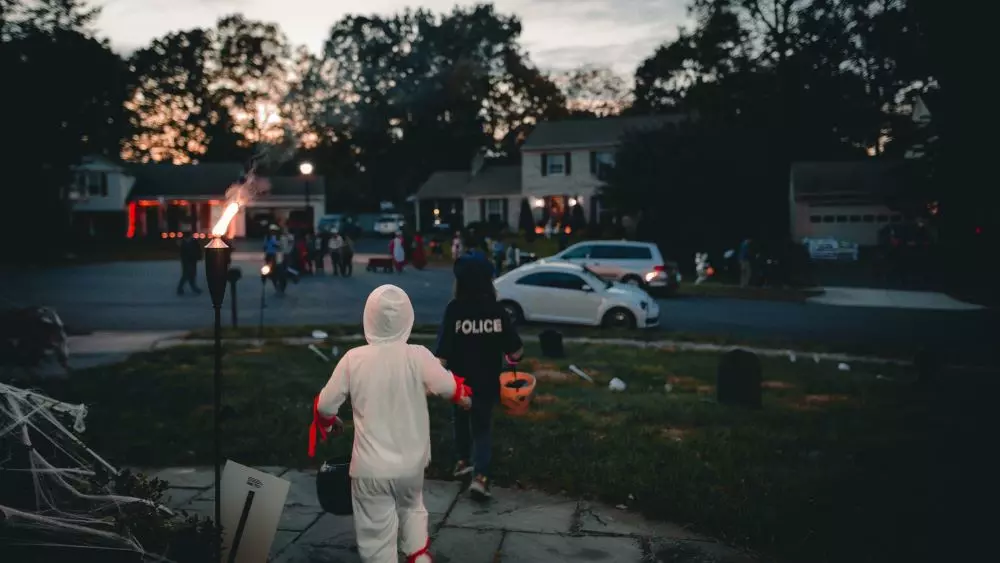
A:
[238,195]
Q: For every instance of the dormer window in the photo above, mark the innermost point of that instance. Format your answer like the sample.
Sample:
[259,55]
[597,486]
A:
[556,164]
[94,184]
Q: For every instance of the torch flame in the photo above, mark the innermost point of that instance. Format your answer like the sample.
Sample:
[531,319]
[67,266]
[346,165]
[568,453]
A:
[222,226]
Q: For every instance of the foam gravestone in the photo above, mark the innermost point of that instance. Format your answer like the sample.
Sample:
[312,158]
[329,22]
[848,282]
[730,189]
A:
[738,379]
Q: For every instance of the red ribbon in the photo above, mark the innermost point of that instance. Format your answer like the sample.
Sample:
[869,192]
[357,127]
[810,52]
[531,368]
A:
[461,390]
[426,550]
[318,426]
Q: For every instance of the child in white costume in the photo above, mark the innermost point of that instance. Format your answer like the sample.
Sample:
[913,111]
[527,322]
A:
[388,382]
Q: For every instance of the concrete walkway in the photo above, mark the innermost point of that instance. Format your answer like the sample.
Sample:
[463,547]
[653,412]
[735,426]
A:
[891,298]
[515,527]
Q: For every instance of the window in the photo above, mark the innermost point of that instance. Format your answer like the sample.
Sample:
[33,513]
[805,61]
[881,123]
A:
[883,218]
[614,252]
[555,164]
[601,163]
[554,280]
[828,218]
[494,210]
[841,218]
[578,252]
[815,218]
[869,218]
[855,218]
[897,218]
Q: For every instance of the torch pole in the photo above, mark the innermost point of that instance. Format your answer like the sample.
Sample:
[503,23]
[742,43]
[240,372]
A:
[216,266]
[232,285]
[217,430]
[260,327]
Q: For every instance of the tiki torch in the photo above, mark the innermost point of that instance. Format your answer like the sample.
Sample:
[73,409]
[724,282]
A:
[216,270]
[265,271]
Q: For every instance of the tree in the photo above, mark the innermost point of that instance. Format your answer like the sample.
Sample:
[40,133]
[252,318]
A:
[209,94]
[596,91]
[67,104]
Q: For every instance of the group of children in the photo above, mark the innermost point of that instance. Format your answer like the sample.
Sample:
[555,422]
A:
[307,252]
[388,382]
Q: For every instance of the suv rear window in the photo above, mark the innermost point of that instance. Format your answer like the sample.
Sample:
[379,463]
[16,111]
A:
[614,252]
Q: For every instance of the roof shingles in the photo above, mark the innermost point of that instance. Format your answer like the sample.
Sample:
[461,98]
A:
[503,180]
[207,180]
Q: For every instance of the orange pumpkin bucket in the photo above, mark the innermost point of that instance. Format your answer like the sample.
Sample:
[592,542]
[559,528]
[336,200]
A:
[516,391]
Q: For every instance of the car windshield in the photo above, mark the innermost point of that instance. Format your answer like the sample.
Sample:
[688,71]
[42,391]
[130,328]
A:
[587,272]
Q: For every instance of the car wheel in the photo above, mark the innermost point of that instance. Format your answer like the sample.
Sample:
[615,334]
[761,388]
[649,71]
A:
[514,312]
[634,281]
[619,318]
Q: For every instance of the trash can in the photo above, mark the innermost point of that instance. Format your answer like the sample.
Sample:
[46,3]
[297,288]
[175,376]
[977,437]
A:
[333,487]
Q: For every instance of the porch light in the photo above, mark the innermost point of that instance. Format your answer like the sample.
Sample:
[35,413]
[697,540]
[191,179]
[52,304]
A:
[572,202]
[539,202]
[437,211]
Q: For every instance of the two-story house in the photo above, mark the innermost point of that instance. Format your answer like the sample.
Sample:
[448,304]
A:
[563,165]
[114,199]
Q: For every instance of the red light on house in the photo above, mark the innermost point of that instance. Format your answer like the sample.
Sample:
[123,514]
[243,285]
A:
[979,230]
[131,220]
[173,235]
[163,235]
[539,230]
[147,203]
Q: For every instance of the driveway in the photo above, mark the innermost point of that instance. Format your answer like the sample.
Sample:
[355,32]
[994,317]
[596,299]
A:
[141,296]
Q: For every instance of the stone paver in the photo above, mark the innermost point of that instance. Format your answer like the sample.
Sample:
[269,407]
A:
[461,545]
[525,511]
[515,527]
[539,548]
[600,519]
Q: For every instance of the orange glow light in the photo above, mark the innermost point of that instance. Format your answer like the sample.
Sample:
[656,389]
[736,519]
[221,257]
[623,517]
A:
[131,220]
[568,230]
[539,230]
[163,235]
[710,271]
[173,235]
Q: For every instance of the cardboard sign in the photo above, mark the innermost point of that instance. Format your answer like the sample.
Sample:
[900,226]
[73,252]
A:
[252,503]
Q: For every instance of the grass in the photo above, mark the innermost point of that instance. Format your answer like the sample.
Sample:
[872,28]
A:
[531,331]
[832,469]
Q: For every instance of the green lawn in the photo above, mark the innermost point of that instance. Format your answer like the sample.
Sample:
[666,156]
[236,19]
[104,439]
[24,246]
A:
[531,331]
[829,470]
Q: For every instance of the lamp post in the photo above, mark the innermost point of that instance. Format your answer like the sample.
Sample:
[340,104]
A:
[306,169]
[216,267]
[265,270]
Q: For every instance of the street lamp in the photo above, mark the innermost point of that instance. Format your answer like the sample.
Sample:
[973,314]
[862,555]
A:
[265,270]
[306,169]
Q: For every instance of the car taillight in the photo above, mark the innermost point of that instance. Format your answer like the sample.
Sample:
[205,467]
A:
[659,268]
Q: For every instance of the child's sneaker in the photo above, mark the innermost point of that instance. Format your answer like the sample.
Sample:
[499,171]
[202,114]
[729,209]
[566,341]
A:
[480,488]
[462,468]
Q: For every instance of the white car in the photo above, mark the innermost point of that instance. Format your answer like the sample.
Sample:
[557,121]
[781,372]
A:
[560,292]
[389,224]
[635,263]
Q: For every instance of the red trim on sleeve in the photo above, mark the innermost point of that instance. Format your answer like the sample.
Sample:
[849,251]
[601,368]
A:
[426,550]
[461,390]
[318,426]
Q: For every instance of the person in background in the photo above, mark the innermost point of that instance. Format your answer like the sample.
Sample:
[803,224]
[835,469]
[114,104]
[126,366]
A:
[498,255]
[272,246]
[511,258]
[457,249]
[322,248]
[388,381]
[336,253]
[397,249]
[302,252]
[419,254]
[476,335]
[190,256]
[746,268]
[347,256]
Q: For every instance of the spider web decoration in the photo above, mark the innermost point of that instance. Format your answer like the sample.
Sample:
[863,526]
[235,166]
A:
[57,501]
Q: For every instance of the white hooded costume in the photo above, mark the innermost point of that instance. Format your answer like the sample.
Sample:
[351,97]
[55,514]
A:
[388,382]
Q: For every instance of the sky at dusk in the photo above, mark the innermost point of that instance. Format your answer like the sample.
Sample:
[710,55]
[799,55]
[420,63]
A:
[558,34]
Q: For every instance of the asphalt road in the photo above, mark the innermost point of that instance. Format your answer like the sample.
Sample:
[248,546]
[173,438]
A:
[142,296]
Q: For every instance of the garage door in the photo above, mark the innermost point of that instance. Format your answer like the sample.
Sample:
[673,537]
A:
[861,228]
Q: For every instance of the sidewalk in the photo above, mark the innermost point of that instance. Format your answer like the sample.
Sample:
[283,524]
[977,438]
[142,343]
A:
[515,527]
[891,298]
